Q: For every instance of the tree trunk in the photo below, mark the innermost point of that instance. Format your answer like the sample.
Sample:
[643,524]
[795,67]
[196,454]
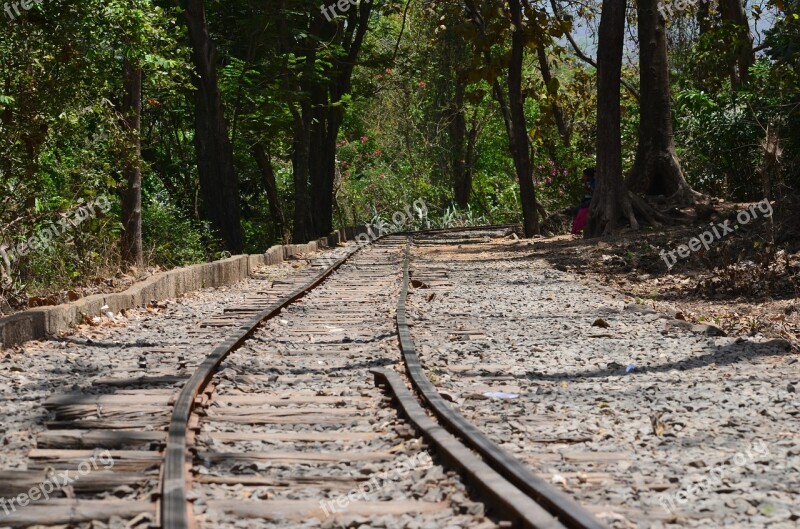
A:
[219,184]
[452,85]
[472,150]
[512,109]
[330,113]
[457,128]
[656,170]
[303,229]
[558,113]
[771,147]
[518,132]
[611,205]
[271,189]
[132,166]
[703,17]
[302,131]
[733,11]
[321,163]
[323,189]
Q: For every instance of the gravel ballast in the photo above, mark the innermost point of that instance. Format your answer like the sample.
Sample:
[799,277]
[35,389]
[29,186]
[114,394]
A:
[644,420]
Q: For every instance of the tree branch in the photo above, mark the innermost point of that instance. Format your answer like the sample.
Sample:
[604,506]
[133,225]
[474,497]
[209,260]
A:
[402,30]
[585,58]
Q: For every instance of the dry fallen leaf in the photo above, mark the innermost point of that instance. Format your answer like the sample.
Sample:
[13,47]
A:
[658,425]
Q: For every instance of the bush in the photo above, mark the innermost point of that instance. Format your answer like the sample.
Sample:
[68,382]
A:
[168,238]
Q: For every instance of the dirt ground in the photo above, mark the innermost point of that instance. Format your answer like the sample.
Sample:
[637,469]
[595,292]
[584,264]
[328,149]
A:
[746,282]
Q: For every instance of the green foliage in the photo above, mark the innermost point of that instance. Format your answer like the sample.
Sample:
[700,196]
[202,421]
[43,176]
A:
[720,136]
[61,139]
[714,53]
[454,218]
[712,132]
[784,37]
[169,239]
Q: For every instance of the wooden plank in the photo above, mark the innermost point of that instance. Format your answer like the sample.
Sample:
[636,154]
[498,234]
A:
[591,478]
[651,515]
[290,400]
[141,381]
[15,482]
[133,423]
[559,440]
[255,420]
[302,510]
[297,437]
[537,458]
[77,439]
[81,455]
[76,399]
[295,457]
[262,418]
[360,350]
[149,391]
[66,512]
[596,457]
[289,413]
[112,412]
[221,323]
[270,379]
[481,368]
[124,460]
[324,482]
[163,350]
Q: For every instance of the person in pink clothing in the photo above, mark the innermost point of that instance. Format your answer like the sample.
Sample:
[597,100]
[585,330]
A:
[582,215]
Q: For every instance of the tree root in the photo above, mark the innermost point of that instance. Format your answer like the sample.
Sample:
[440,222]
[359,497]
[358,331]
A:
[647,212]
[685,197]
[543,214]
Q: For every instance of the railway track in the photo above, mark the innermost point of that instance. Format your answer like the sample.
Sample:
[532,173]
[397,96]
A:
[290,410]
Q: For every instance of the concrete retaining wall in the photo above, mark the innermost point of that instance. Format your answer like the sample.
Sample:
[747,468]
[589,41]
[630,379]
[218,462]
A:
[36,324]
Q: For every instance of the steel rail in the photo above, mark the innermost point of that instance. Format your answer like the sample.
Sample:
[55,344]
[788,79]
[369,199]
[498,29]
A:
[564,508]
[514,505]
[174,494]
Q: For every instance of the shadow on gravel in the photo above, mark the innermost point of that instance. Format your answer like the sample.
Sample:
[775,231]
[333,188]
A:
[377,362]
[108,345]
[727,355]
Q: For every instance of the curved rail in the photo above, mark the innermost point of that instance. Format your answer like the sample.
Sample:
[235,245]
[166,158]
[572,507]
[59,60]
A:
[515,505]
[174,498]
[564,508]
